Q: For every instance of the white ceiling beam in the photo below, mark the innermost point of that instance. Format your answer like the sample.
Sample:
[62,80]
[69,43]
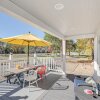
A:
[80,36]
[13,10]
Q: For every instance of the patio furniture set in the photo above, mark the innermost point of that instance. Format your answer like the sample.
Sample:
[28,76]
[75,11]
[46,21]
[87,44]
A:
[30,74]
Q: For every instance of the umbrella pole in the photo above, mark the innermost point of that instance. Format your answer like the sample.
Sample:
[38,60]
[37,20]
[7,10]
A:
[28,55]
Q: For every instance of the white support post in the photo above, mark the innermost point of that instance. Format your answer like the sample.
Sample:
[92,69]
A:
[35,58]
[10,58]
[97,58]
[95,48]
[64,55]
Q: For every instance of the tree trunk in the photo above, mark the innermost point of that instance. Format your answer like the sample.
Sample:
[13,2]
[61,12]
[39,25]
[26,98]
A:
[92,54]
[79,53]
[69,52]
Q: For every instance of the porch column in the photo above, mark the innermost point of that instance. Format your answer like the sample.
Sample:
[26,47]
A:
[95,48]
[96,74]
[97,54]
[64,55]
[10,59]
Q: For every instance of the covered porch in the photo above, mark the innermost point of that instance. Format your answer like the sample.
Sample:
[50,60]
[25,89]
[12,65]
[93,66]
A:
[66,20]
[61,24]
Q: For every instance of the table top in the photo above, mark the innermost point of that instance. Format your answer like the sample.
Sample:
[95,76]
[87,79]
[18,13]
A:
[20,70]
[79,91]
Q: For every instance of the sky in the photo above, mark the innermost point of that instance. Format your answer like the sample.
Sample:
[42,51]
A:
[10,26]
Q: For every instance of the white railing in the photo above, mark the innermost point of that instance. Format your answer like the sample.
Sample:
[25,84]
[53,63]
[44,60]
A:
[52,63]
[5,65]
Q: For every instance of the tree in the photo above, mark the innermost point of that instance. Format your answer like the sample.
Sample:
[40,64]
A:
[14,48]
[70,45]
[81,45]
[86,46]
[90,47]
[56,43]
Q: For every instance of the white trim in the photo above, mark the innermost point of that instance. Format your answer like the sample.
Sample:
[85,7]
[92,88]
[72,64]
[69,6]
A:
[95,48]
[80,36]
[97,55]
[64,47]
[64,54]
[13,10]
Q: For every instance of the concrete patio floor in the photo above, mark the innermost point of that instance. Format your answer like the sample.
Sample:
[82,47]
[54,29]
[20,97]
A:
[54,87]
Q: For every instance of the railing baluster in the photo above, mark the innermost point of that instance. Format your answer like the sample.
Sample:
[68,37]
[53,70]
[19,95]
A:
[51,63]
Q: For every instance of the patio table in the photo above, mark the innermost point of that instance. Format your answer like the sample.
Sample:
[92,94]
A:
[79,87]
[17,73]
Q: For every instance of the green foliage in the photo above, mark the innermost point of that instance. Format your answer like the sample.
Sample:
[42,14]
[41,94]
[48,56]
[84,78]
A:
[85,46]
[81,45]
[56,43]
[90,47]
[70,46]
[12,48]
[26,49]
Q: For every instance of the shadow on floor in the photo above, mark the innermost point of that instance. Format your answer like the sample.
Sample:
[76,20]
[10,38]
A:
[14,98]
[49,81]
[7,90]
[70,77]
[63,89]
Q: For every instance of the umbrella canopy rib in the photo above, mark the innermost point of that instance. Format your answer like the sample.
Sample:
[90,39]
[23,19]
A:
[10,40]
[44,42]
[34,43]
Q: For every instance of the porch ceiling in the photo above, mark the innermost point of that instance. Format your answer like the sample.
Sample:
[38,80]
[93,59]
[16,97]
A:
[78,17]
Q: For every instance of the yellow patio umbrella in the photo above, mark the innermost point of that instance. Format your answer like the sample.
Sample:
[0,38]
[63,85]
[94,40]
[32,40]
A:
[26,40]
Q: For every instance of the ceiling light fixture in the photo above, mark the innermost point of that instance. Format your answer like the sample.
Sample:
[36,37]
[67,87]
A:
[59,6]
